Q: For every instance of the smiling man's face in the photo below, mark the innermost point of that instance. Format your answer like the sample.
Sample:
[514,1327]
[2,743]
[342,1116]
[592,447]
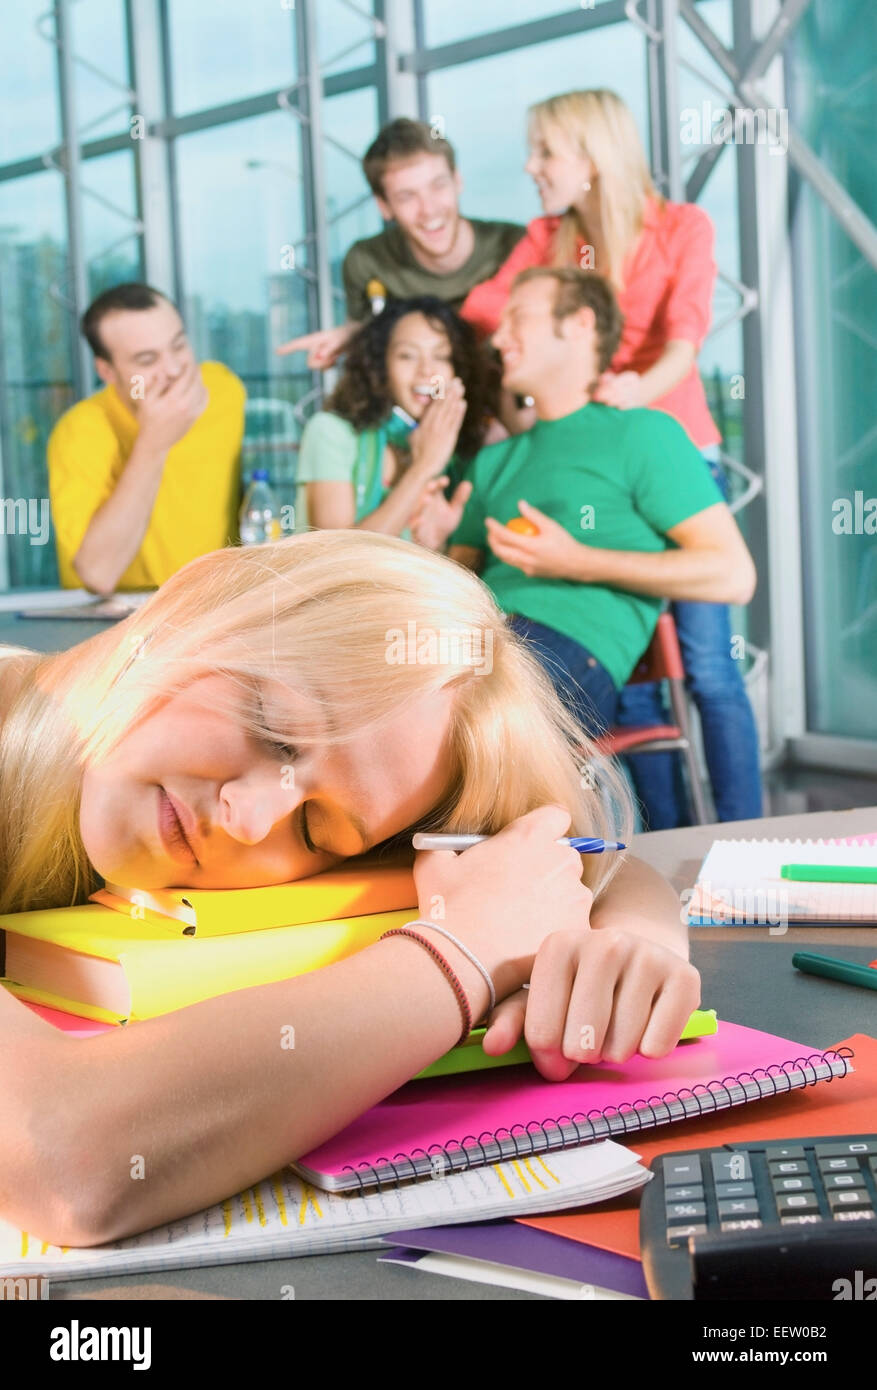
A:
[422,195]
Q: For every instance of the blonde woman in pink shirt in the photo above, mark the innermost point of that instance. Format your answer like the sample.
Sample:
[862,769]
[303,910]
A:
[603,213]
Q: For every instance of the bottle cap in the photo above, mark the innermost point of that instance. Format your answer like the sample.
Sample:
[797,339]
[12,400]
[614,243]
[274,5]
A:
[260,475]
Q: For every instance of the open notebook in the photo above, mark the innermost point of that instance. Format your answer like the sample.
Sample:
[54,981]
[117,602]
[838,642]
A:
[740,884]
[284,1216]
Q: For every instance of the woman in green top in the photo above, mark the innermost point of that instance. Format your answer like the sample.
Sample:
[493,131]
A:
[413,397]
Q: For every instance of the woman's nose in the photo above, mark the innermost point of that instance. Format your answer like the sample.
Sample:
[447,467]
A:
[252,806]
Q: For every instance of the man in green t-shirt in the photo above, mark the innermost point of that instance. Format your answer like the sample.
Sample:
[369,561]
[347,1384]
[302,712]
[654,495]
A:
[626,514]
[428,246]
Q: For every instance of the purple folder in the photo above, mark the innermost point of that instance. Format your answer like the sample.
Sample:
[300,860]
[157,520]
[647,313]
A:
[526,1247]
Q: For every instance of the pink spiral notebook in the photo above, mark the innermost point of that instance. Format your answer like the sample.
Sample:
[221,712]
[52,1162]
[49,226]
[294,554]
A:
[439,1126]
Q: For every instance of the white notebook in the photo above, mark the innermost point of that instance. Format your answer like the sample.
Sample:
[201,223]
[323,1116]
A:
[284,1216]
[739,884]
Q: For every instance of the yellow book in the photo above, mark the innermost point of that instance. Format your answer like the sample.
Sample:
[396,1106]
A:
[351,891]
[90,958]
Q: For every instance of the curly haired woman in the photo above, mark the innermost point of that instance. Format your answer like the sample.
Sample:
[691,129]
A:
[413,398]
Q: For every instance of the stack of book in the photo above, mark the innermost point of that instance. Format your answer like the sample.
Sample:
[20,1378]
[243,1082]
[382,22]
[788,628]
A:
[129,955]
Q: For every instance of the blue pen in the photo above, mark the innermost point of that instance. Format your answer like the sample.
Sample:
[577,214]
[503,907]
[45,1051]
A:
[584,844]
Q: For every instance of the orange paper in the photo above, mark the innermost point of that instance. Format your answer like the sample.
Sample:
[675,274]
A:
[826,1109]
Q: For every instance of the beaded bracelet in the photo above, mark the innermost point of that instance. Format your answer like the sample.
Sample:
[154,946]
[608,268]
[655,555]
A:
[448,970]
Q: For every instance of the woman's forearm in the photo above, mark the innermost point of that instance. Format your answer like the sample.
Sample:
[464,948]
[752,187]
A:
[399,506]
[639,900]
[672,366]
[208,1100]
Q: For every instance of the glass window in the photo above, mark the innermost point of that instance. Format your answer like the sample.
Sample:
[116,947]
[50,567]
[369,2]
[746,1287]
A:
[100,36]
[352,121]
[700,105]
[29,115]
[833,101]
[448,20]
[345,36]
[243,294]
[36,334]
[483,107]
[112,245]
[223,51]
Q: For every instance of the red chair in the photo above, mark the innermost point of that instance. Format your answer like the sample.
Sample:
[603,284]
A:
[662,661]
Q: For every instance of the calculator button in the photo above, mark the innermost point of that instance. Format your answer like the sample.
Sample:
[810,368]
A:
[797,1201]
[838,1165]
[684,1211]
[735,1189]
[682,1169]
[731,1167]
[750,1224]
[788,1167]
[838,1180]
[683,1194]
[854,1198]
[743,1206]
[836,1147]
[790,1151]
[807,1219]
[678,1235]
[854,1214]
[793,1184]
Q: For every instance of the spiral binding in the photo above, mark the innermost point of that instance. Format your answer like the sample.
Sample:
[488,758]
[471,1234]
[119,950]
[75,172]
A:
[564,1131]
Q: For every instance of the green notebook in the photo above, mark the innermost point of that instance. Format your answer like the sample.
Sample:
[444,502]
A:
[470,1055]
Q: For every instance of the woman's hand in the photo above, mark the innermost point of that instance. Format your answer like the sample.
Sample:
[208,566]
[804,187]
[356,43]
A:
[597,996]
[503,897]
[624,390]
[437,516]
[434,440]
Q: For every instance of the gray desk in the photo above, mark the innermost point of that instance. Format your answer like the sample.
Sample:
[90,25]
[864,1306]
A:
[747,975]
[46,634]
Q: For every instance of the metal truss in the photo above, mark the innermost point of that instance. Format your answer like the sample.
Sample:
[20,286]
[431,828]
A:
[304,102]
[72,292]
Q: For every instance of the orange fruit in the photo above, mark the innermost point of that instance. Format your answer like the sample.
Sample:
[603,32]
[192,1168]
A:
[522,526]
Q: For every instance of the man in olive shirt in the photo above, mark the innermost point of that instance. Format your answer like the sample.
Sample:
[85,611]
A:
[625,511]
[428,248]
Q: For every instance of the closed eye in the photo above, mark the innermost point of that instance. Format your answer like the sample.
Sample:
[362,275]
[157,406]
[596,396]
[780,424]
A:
[288,751]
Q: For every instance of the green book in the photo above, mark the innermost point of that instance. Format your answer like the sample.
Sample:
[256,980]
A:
[470,1055]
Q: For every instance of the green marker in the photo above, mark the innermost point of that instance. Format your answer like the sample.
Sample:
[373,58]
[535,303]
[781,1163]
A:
[470,1055]
[828,873]
[833,969]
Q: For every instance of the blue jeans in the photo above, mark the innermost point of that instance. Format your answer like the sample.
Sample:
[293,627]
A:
[580,680]
[730,737]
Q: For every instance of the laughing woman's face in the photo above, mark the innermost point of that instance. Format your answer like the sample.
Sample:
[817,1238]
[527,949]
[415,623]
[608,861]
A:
[190,798]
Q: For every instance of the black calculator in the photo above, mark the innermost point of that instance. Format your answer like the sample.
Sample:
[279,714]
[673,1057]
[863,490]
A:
[774,1219]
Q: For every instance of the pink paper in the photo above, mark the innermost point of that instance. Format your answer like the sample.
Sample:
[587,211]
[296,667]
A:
[426,1115]
[71,1024]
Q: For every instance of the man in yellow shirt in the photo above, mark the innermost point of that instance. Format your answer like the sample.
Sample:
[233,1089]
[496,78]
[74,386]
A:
[145,474]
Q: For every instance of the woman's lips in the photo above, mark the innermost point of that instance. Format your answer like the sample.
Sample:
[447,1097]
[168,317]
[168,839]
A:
[171,832]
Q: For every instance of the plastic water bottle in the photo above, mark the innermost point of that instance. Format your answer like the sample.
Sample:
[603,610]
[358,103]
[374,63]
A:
[260,514]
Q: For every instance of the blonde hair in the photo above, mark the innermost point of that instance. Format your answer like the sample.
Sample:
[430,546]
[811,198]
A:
[317,612]
[597,123]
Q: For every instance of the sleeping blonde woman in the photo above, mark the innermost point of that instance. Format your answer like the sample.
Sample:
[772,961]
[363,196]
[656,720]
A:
[246,727]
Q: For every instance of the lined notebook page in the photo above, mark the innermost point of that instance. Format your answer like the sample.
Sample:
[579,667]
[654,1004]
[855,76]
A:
[285,1216]
[740,882]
